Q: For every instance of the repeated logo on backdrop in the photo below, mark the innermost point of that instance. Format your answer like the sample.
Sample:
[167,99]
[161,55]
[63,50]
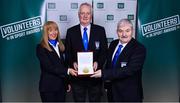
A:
[105,13]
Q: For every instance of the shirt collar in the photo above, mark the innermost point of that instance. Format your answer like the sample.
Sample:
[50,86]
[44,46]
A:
[88,27]
[122,44]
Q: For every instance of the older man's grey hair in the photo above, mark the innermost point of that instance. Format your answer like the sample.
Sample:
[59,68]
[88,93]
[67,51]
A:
[87,4]
[124,22]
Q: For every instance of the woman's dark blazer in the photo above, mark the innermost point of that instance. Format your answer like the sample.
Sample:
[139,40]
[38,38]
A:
[53,70]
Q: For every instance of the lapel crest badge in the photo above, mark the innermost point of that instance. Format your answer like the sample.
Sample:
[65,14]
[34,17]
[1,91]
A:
[123,64]
[97,44]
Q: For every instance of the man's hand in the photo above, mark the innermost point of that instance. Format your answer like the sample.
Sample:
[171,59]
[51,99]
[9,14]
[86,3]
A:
[97,74]
[72,72]
[95,66]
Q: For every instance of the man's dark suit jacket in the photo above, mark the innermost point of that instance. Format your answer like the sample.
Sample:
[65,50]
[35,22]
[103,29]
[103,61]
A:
[97,44]
[127,74]
[53,70]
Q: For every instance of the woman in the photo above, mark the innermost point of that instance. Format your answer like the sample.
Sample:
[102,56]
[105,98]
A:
[52,85]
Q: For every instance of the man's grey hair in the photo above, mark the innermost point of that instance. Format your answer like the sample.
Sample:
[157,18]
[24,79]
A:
[87,4]
[124,22]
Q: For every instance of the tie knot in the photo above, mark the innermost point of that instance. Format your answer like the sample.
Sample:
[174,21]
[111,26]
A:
[85,29]
[120,46]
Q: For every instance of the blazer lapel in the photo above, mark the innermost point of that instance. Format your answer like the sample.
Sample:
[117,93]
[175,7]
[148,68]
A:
[79,37]
[61,54]
[91,37]
[126,49]
[54,52]
[111,51]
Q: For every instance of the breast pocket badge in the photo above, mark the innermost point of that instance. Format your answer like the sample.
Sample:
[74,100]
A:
[123,64]
[97,44]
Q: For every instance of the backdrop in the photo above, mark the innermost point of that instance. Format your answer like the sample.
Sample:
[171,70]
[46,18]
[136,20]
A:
[21,24]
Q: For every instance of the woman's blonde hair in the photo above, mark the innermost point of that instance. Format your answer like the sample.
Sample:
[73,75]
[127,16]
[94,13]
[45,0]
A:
[44,40]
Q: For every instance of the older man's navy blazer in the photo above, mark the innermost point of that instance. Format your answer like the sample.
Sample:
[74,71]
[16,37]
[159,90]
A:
[127,74]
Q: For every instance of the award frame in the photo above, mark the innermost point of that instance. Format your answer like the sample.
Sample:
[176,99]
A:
[85,63]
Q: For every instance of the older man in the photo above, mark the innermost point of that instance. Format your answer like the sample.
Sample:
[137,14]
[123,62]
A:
[86,37]
[124,66]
